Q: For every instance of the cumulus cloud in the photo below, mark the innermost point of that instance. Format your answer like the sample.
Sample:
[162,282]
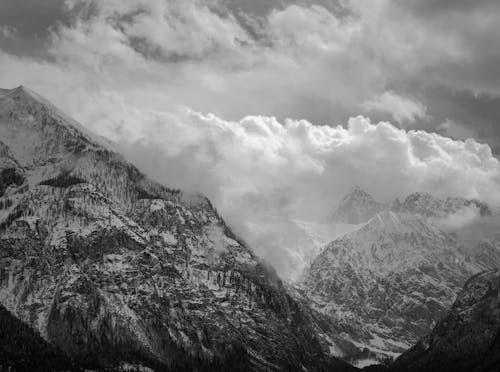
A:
[458,220]
[258,167]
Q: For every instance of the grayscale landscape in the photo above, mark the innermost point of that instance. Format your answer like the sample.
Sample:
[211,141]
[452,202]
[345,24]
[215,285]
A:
[243,185]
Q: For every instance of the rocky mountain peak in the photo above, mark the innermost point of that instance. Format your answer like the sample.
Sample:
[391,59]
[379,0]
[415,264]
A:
[37,133]
[425,204]
[356,207]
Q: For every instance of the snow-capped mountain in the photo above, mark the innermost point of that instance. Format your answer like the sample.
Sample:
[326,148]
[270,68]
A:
[356,207]
[427,205]
[467,338]
[118,270]
[392,279]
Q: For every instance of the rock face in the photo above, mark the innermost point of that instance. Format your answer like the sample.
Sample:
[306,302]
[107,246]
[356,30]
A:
[392,280]
[425,204]
[467,339]
[116,269]
[356,207]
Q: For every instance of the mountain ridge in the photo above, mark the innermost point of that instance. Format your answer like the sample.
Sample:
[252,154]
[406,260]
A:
[467,338]
[115,268]
[393,277]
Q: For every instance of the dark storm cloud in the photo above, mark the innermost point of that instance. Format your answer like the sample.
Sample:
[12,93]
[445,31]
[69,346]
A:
[438,7]
[31,21]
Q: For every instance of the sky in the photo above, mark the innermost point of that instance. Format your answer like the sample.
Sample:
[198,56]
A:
[275,108]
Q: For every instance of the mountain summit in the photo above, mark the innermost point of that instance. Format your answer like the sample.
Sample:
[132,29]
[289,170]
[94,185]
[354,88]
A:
[356,207]
[117,270]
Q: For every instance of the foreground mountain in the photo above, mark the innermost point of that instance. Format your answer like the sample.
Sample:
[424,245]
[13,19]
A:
[22,349]
[356,207]
[467,339]
[391,280]
[117,270]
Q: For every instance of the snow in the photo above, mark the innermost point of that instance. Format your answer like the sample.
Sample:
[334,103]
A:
[157,205]
[169,238]
[362,363]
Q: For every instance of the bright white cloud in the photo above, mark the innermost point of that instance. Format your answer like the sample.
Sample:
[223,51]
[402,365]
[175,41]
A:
[260,167]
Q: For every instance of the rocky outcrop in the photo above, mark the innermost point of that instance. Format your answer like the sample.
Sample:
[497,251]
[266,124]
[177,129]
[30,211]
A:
[467,339]
[425,204]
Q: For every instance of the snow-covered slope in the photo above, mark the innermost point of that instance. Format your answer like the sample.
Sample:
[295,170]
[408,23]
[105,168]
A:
[467,338]
[116,269]
[392,279]
[356,207]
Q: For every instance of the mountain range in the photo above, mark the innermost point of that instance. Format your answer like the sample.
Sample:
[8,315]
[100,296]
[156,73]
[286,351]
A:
[117,270]
[103,268]
[393,278]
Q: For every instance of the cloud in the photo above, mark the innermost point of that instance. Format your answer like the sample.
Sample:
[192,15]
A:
[8,32]
[458,220]
[401,108]
[452,129]
[262,173]
[320,60]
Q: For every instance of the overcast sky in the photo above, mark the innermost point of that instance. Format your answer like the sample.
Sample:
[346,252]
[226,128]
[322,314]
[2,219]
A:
[275,107]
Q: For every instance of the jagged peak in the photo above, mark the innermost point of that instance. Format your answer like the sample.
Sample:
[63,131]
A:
[20,91]
[389,221]
[357,193]
[357,206]
[427,204]
[29,111]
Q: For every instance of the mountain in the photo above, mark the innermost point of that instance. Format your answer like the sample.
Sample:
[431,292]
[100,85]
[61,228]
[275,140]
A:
[427,205]
[356,207]
[293,243]
[22,349]
[467,339]
[121,272]
[391,280]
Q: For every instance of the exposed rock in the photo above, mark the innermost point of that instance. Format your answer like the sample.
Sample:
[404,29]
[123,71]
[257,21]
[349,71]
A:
[116,269]
[467,339]
[392,279]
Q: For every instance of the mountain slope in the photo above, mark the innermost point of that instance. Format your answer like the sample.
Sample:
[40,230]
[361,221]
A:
[21,349]
[116,269]
[392,279]
[468,338]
